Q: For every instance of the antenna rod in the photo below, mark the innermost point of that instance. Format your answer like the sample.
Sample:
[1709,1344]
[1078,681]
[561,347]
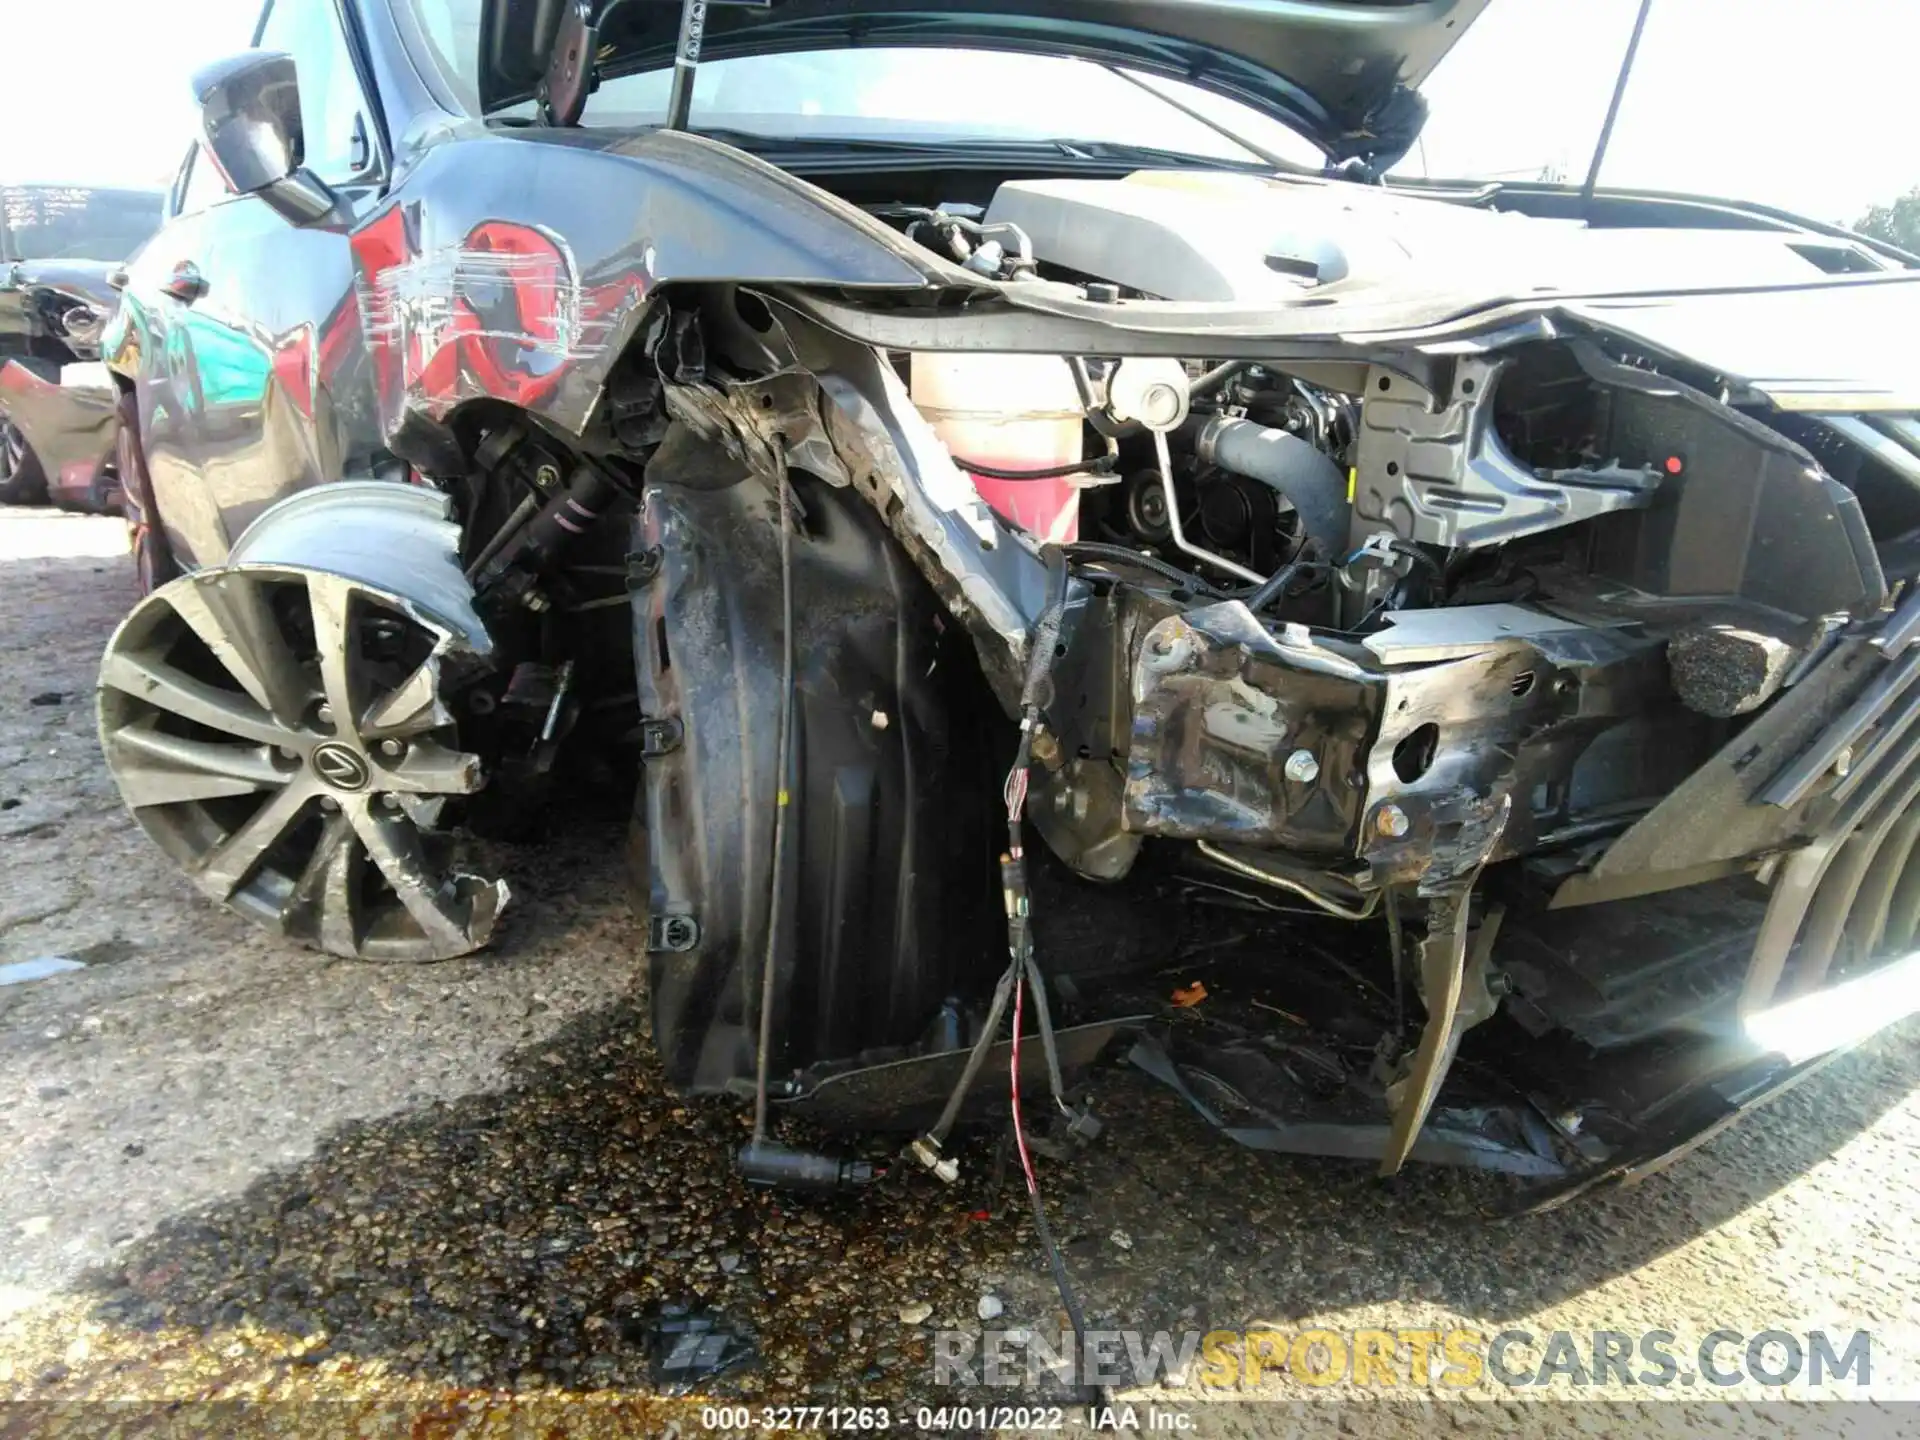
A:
[686,60]
[1613,106]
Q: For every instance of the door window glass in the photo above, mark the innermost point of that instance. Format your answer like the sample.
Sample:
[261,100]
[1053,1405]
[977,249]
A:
[201,184]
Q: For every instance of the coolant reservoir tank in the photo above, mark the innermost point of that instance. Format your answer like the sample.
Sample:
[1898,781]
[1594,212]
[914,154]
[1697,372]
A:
[1012,412]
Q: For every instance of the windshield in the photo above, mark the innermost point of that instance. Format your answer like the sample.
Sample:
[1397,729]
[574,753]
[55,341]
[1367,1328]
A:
[937,95]
[66,222]
[920,94]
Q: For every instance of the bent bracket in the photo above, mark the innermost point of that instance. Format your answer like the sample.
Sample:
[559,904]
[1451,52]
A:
[1447,971]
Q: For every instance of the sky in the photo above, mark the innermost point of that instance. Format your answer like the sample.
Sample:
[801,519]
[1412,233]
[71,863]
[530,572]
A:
[111,105]
[1804,104]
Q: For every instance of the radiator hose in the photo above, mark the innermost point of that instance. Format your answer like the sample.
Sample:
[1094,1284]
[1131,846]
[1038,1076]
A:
[1308,479]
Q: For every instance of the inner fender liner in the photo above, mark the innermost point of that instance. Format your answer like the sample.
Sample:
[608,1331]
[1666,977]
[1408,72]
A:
[890,887]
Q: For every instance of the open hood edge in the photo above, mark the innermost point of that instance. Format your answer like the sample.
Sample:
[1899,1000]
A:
[1345,73]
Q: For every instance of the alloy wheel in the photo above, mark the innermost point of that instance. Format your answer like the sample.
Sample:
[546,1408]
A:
[281,733]
[21,482]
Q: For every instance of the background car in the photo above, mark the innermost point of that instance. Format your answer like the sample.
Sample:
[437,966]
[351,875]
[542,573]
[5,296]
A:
[60,247]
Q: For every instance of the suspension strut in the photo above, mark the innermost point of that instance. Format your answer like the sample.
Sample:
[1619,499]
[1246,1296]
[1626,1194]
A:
[570,513]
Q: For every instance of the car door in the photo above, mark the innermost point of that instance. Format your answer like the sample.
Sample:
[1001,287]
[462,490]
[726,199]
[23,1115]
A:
[250,378]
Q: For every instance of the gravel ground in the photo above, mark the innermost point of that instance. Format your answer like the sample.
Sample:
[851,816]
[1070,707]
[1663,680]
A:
[233,1169]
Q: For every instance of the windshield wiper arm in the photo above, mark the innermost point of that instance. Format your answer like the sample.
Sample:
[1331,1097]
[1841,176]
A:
[825,150]
[1150,155]
[1192,113]
[1033,150]
[946,146]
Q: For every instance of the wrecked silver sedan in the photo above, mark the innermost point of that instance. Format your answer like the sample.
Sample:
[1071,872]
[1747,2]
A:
[1454,646]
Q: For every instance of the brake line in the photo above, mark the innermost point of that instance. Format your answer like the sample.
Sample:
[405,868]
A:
[1013,870]
[1013,794]
[1021,966]
[760,1161]
[1058,1265]
[783,745]
[1306,892]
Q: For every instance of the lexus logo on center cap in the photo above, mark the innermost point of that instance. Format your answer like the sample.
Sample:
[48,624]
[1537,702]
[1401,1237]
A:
[340,767]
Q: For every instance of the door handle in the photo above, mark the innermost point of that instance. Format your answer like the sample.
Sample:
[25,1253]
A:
[186,284]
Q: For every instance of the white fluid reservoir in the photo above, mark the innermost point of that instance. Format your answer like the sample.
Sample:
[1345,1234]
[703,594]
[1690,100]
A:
[1010,412]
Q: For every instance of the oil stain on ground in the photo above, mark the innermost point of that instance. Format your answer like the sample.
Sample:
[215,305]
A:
[581,1229]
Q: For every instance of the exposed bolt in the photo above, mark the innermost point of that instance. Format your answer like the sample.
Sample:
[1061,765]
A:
[324,714]
[673,933]
[1295,635]
[880,720]
[389,801]
[661,736]
[535,601]
[1303,767]
[1391,821]
[393,749]
[1843,762]
[643,566]
[329,804]
[546,477]
[288,752]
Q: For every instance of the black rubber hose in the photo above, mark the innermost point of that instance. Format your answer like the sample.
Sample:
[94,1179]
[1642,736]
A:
[565,517]
[1306,477]
[1215,378]
[977,1058]
[1121,555]
[1098,465]
[1270,589]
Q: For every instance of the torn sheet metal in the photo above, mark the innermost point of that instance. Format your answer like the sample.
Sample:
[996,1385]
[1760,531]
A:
[1255,1099]
[767,425]
[1421,637]
[988,577]
[1220,707]
[72,428]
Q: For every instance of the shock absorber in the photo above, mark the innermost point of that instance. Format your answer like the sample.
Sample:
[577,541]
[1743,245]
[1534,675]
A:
[571,512]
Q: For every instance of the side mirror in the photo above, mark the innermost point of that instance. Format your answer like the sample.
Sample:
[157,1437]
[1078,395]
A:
[250,117]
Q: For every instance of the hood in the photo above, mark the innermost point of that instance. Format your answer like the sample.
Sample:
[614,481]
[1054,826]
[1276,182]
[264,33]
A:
[1194,235]
[1343,72]
[89,280]
[66,300]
